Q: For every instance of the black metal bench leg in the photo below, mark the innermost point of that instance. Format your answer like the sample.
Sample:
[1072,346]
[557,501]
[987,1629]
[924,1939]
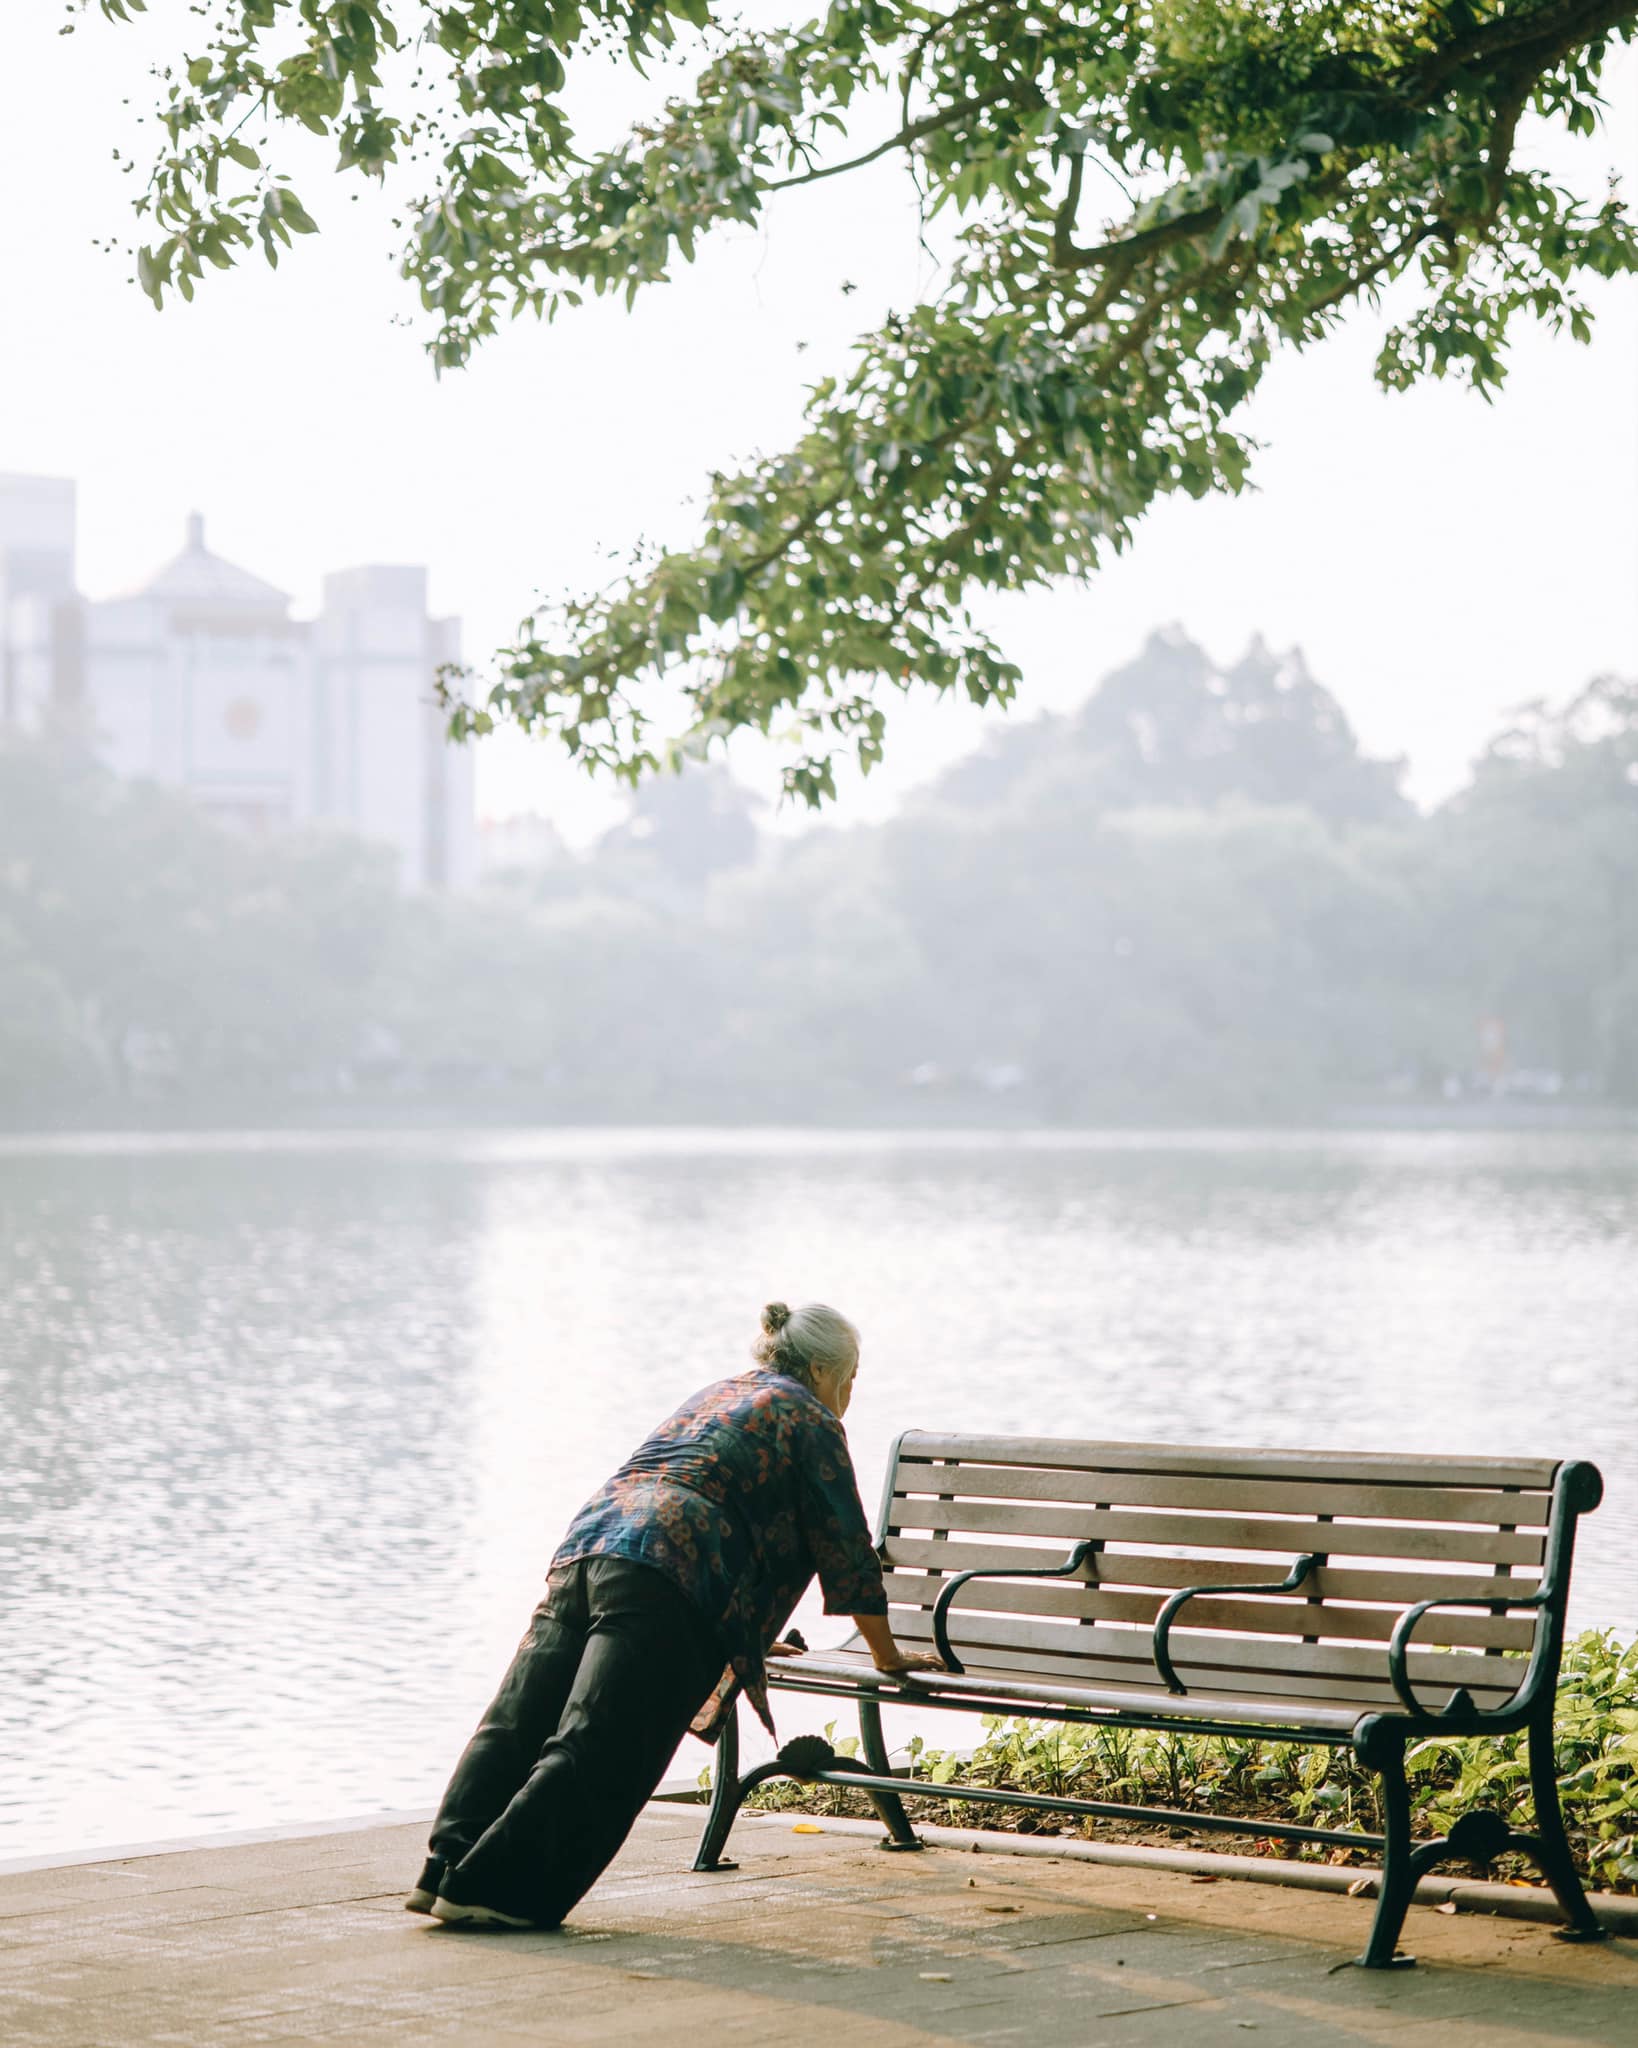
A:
[727,1792]
[1552,1844]
[1399,1869]
[889,1807]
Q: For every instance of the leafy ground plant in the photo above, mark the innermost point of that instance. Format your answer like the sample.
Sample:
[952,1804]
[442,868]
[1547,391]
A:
[1597,1753]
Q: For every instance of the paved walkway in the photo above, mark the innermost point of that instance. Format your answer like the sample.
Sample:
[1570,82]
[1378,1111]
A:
[816,1939]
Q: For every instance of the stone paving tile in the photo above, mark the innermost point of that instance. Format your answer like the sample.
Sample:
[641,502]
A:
[1387,2028]
[1490,2033]
[55,1919]
[627,2011]
[88,1888]
[339,1884]
[816,1941]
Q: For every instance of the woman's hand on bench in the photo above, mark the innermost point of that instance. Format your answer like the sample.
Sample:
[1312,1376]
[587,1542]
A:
[886,1653]
[912,1660]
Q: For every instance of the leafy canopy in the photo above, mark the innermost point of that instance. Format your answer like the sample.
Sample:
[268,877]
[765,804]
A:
[1267,164]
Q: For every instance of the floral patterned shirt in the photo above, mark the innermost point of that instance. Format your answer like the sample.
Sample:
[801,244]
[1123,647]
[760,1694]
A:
[740,1499]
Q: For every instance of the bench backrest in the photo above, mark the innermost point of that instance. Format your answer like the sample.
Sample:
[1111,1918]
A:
[1393,1531]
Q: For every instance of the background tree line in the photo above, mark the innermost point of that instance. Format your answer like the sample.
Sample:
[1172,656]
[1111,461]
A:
[1196,897]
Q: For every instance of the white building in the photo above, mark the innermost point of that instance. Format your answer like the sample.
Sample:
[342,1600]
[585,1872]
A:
[203,680]
[523,843]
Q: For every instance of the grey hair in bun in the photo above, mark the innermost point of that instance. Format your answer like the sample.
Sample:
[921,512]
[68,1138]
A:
[801,1342]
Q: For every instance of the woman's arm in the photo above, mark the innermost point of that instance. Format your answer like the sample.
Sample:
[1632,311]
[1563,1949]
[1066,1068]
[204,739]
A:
[886,1653]
[842,1549]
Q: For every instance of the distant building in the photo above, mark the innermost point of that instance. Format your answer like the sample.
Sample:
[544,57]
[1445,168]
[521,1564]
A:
[522,844]
[202,679]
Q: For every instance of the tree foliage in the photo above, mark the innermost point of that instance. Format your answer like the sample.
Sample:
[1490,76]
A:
[1258,167]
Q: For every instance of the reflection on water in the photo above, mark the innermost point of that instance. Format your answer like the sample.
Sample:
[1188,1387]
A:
[291,1422]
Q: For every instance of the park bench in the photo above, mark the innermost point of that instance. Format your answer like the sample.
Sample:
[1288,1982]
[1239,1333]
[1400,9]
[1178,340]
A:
[1324,1597]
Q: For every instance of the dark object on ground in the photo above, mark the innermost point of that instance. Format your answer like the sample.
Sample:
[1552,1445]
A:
[1376,1583]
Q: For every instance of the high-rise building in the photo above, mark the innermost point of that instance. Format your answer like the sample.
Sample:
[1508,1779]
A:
[202,679]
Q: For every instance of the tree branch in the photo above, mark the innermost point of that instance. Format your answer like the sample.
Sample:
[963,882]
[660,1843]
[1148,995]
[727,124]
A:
[912,133]
[1560,28]
[1129,247]
[1499,146]
[1063,221]
[946,22]
[1356,280]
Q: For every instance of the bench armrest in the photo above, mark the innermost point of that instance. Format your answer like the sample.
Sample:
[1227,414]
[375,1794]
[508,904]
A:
[941,1609]
[1304,1565]
[1460,1704]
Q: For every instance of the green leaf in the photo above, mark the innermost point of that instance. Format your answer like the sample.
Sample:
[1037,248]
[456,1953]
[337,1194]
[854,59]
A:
[151,275]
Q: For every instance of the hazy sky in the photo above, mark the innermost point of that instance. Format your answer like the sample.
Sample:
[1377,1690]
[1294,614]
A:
[1437,559]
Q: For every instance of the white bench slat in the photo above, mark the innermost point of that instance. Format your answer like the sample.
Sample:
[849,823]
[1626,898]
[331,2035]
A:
[1294,1616]
[1215,1534]
[1328,1665]
[1295,1685]
[1214,1461]
[1481,1506]
[1118,1568]
[1006,1688]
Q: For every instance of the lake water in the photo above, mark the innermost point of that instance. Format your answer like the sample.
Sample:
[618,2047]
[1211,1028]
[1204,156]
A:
[291,1423]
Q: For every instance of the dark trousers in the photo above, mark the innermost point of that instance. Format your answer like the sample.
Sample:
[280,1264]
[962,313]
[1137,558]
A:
[616,1663]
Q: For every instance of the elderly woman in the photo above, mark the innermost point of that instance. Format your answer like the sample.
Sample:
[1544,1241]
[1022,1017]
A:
[671,1585]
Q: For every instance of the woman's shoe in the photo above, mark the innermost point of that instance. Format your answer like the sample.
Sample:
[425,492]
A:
[425,1894]
[453,1915]
[457,1906]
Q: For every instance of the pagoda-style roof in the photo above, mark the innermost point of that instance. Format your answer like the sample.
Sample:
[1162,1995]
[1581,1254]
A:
[197,580]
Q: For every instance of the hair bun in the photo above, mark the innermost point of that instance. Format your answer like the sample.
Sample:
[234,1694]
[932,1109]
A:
[774,1317]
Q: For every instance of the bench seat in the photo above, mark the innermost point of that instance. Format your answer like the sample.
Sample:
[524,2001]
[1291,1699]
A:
[981,1689]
